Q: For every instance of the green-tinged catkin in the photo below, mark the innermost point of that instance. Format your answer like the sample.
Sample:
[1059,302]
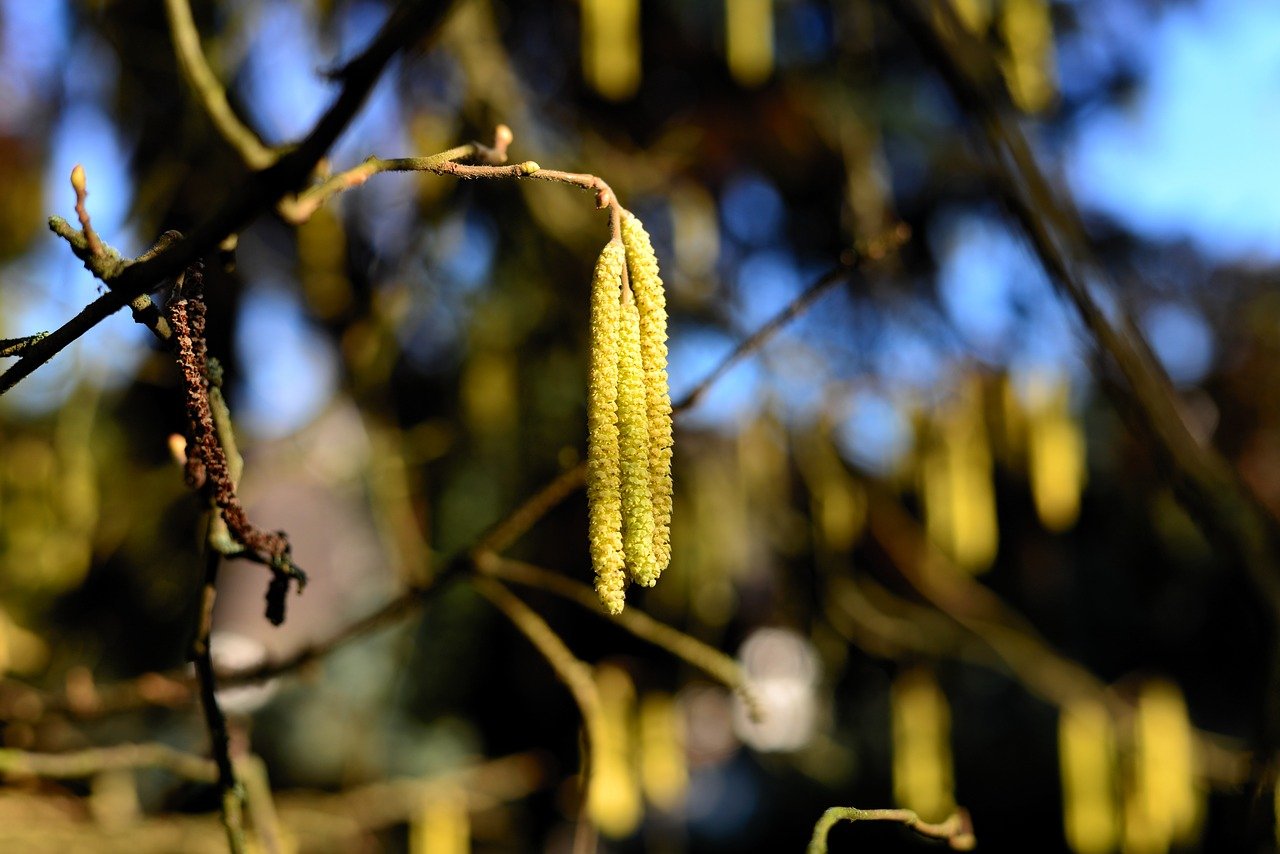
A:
[604,473]
[633,438]
[651,301]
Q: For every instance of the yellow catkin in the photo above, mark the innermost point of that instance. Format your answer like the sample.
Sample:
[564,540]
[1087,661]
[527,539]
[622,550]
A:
[1167,793]
[749,40]
[604,484]
[633,439]
[1055,454]
[651,302]
[1027,27]
[611,47]
[443,824]
[1087,761]
[922,771]
[664,772]
[614,802]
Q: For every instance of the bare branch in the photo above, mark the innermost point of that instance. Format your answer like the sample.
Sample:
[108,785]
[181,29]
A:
[210,92]
[92,242]
[956,830]
[215,721]
[711,661]
[1204,481]
[574,673]
[16,346]
[90,763]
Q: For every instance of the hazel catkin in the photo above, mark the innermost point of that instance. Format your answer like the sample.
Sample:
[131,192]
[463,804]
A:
[633,444]
[629,418]
[651,303]
[603,463]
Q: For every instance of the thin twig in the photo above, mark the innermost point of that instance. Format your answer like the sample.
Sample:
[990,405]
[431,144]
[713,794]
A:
[956,830]
[215,721]
[300,208]
[92,241]
[572,672]
[711,661]
[195,68]
[262,808]
[516,523]
[447,163]
[753,341]
[89,763]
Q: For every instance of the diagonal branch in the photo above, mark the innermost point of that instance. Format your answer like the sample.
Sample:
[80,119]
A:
[711,661]
[573,672]
[411,20]
[1203,478]
[195,68]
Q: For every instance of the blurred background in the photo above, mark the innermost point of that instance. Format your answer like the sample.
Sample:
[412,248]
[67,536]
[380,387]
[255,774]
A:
[951,572]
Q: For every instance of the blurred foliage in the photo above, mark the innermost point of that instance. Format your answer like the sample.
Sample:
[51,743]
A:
[410,364]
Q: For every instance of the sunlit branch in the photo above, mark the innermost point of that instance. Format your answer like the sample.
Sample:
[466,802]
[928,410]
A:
[487,165]
[300,208]
[956,831]
[306,820]
[16,346]
[211,93]
[261,805]
[93,244]
[574,673]
[89,763]
[711,661]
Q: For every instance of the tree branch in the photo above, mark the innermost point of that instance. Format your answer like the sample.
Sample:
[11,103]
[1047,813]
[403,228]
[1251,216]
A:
[956,831]
[711,661]
[94,761]
[210,92]
[215,721]
[572,672]
[1037,666]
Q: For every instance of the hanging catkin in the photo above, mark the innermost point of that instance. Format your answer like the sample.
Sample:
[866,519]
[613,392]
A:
[651,302]
[604,489]
[633,441]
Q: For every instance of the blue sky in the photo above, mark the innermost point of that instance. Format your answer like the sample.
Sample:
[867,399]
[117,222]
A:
[1194,155]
